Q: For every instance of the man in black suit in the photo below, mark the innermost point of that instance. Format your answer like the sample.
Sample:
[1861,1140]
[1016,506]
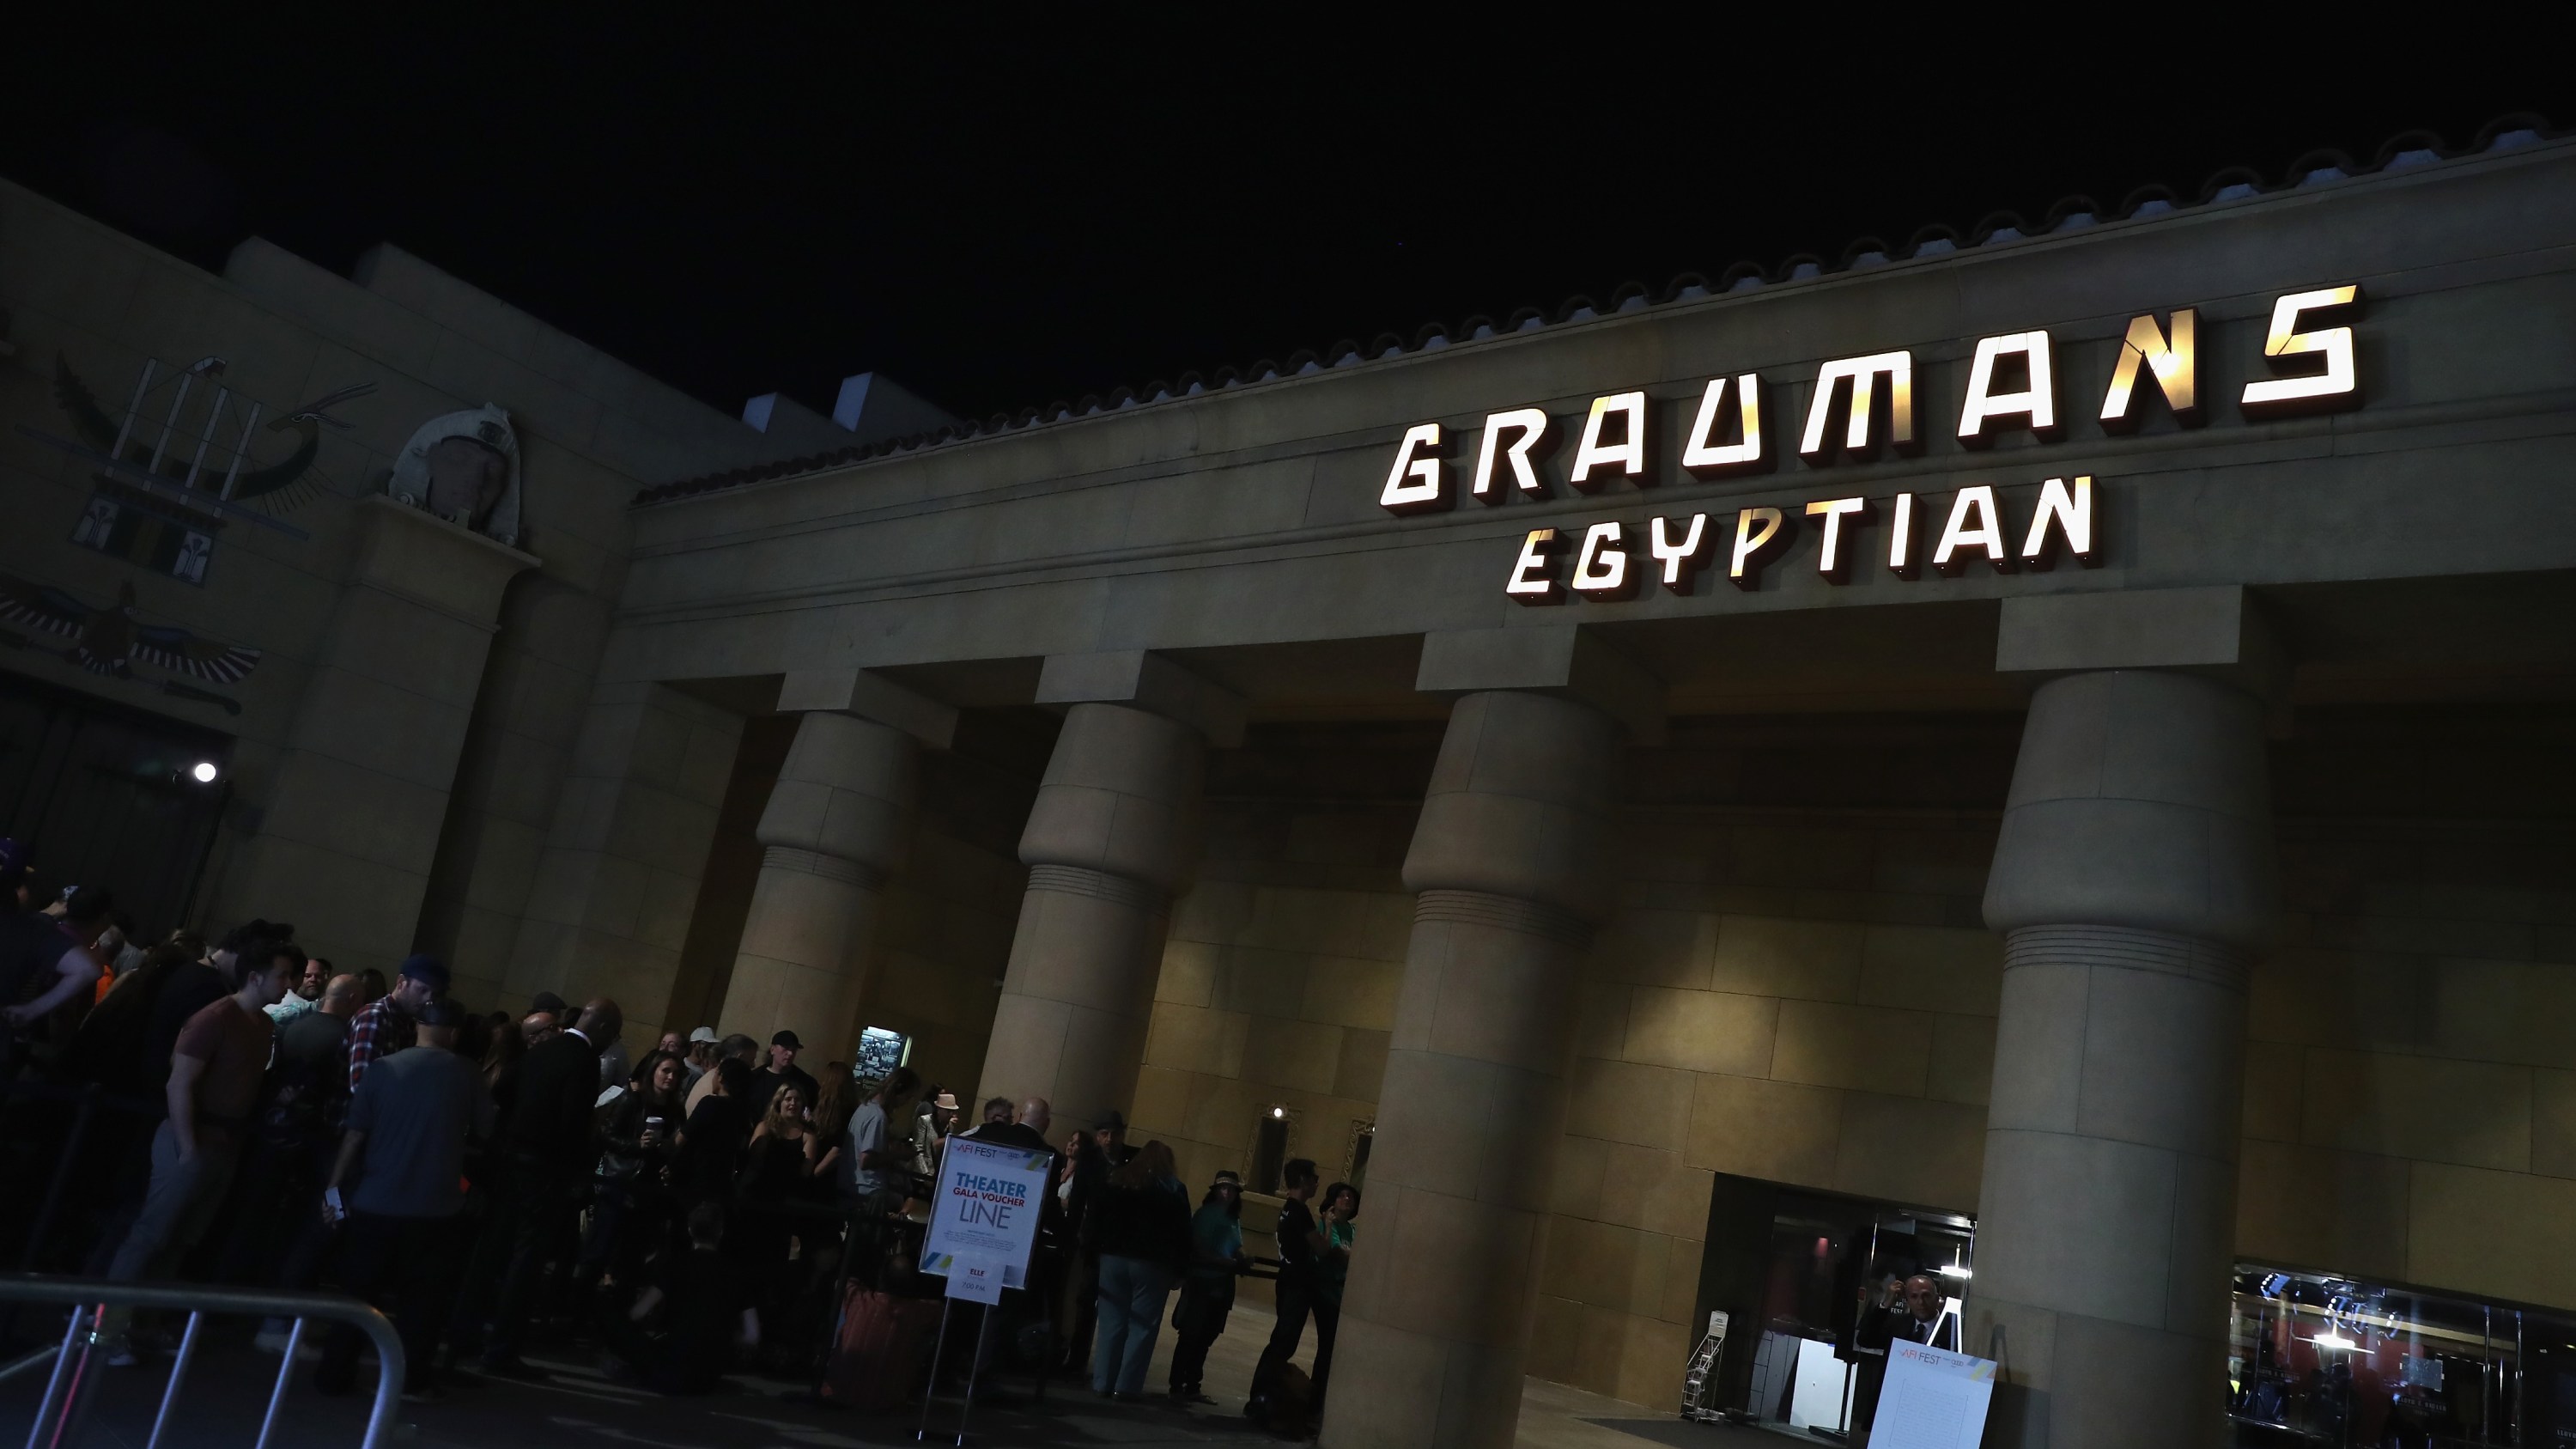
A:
[550,1151]
[1923,1321]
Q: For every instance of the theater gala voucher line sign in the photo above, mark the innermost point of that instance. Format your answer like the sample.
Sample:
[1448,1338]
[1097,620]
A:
[984,1216]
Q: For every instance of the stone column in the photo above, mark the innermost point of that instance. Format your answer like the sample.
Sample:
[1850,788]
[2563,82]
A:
[355,804]
[2133,881]
[1510,866]
[837,824]
[1113,835]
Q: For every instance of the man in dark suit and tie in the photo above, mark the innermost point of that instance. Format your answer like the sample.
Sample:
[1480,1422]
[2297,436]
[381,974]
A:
[1923,1321]
[550,1152]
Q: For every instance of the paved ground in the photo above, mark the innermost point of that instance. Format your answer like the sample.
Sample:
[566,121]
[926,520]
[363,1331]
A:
[582,1409]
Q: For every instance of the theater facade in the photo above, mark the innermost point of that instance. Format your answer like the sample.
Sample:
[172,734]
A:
[2040,761]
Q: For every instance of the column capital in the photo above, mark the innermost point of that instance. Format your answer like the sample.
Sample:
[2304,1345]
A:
[1566,661]
[2216,633]
[870,696]
[1142,679]
[425,560]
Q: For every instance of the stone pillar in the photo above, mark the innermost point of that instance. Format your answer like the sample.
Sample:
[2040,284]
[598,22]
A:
[1113,835]
[616,874]
[2133,881]
[1510,867]
[837,824]
[354,807]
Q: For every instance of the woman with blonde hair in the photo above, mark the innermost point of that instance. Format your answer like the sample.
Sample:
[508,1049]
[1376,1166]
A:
[1140,1227]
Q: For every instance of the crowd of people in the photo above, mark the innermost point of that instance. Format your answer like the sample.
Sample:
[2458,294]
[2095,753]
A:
[239,1112]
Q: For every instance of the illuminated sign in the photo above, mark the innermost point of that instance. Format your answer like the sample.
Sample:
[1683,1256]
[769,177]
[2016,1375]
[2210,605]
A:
[1860,405]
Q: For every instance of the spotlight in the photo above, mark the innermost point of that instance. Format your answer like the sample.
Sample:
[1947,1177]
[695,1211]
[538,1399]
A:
[203,772]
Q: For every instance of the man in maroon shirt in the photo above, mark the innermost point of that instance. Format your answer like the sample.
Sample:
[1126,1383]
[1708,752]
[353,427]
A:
[215,1073]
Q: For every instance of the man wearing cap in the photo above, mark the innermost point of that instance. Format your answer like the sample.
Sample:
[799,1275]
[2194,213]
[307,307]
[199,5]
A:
[700,1054]
[782,1071]
[395,1185]
[387,1025]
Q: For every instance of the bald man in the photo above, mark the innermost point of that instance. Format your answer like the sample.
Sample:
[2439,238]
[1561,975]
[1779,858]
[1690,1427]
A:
[551,1152]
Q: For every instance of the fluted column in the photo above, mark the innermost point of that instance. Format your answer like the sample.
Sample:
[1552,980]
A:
[1509,868]
[1112,836]
[2133,881]
[836,825]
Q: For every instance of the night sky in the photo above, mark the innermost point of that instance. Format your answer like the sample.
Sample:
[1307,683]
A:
[1053,203]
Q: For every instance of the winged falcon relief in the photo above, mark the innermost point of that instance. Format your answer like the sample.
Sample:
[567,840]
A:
[113,639]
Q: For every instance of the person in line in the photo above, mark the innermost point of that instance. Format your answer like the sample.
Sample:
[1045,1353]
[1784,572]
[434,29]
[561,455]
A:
[215,1070]
[194,987]
[1332,1270]
[711,1144]
[274,1241]
[550,1151]
[45,965]
[627,1204]
[931,1127]
[684,1330]
[1139,1231]
[781,1071]
[736,1048]
[1103,1151]
[1302,1246]
[539,1027]
[869,1180]
[385,1025]
[1207,1289]
[701,1053]
[781,1164]
[307,995]
[395,1191]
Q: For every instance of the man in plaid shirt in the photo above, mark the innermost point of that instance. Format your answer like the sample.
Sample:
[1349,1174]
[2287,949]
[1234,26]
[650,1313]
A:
[388,1024]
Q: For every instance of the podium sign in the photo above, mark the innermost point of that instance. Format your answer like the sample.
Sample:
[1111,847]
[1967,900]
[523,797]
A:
[1934,1399]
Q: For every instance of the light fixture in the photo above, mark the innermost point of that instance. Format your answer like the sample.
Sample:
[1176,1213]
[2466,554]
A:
[1954,1270]
[2332,1339]
[1279,1112]
[203,772]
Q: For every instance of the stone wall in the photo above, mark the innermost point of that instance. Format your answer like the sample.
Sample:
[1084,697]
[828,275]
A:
[1807,995]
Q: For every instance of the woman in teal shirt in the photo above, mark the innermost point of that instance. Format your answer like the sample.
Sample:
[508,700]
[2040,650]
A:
[1207,1291]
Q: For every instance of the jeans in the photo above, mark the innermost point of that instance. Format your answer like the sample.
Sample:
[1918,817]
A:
[179,1206]
[402,1265]
[1131,1312]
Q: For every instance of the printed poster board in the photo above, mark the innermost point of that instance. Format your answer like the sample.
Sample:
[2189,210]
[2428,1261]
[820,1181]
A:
[1933,1399]
[985,1209]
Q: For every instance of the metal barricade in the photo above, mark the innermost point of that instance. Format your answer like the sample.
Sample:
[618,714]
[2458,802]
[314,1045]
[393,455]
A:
[82,1356]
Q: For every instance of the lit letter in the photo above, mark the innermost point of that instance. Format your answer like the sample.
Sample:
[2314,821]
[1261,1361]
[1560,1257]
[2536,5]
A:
[1705,454]
[1416,485]
[1601,569]
[1629,454]
[1530,582]
[1988,534]
[1532,424]
[1680,558]
[2324,391]
[2037,401]
[2074,515]
[2175,363]
[1829,555]
[1862,372]
[1759,533]
[1900,538]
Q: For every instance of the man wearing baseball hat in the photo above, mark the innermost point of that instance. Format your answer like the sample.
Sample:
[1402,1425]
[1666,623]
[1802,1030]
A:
[782,1071]
[1207,1290]
[388,1025]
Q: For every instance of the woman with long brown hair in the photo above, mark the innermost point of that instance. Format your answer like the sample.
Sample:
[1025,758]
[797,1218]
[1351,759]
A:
[1139,1224]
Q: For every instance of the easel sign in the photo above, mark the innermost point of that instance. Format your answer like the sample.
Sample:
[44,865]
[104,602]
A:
[1934,1399]
[985,1207]
[983,1225]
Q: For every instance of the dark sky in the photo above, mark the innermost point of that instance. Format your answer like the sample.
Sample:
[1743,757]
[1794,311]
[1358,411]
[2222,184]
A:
[1033,209]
